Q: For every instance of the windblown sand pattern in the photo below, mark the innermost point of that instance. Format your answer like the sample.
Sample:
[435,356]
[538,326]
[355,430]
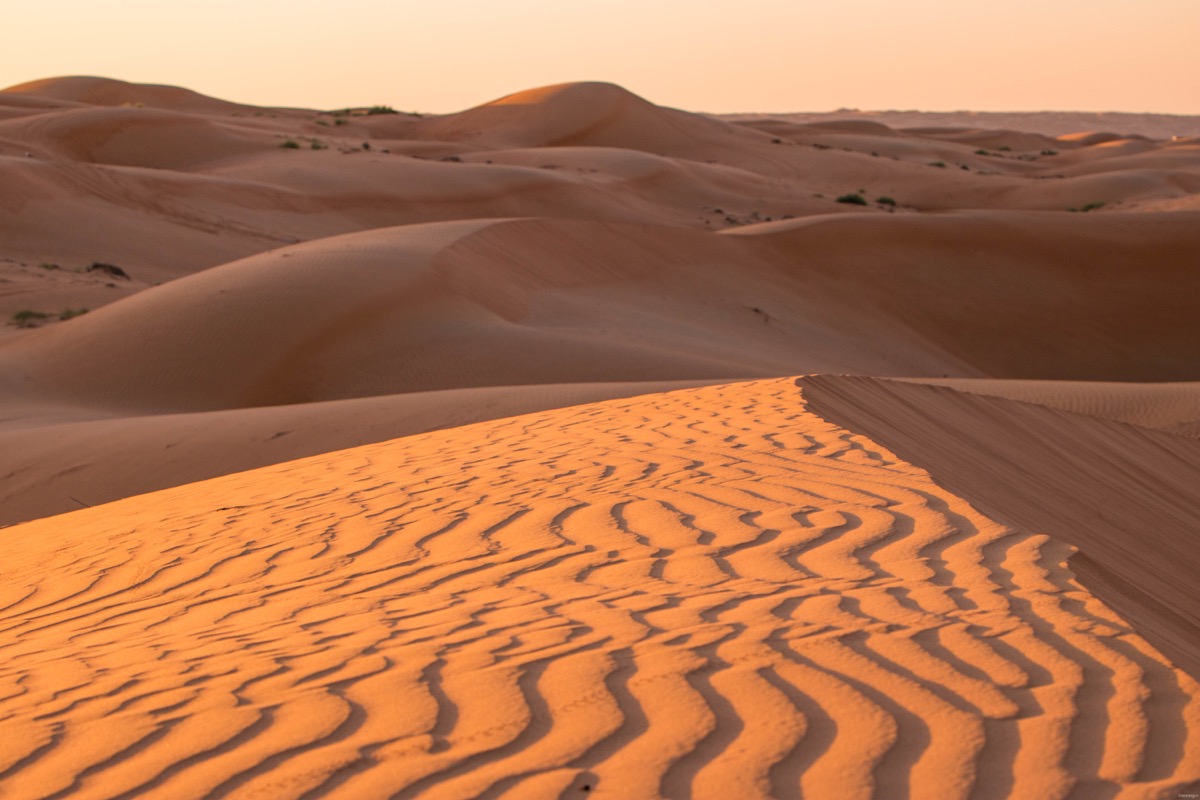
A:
[705,593]
[301,281]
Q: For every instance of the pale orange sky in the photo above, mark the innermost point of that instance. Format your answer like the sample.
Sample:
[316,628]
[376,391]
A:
[761,55]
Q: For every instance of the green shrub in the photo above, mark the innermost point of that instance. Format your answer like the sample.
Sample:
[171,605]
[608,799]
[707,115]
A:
[853,199]
[71,313]
[317,145]
[28,319]
[48,265]
[1049,152]
[290,144]
[1092,206]
[885,201]
[373,110]
[937,164]
[982,152]
[1004,148]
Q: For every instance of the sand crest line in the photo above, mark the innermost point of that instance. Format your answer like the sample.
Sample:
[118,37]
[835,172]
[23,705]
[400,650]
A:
[709,592]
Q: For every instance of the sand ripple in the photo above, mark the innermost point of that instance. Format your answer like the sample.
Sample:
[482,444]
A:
[707,593]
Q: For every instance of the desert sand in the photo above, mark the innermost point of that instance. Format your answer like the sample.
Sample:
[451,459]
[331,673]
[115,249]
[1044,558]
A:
[575,445]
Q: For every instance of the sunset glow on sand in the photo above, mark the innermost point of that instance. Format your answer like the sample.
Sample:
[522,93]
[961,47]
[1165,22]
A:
[406,402]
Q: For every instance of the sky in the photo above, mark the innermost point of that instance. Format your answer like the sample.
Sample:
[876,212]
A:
[748,55]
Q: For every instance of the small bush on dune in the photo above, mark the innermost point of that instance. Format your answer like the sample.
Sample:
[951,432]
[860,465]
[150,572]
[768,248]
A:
[373,110]
[937,164]
[853,199]
[71,313]
[885,201]
[290,144]
[1092,206]
[28,319]
[109,269]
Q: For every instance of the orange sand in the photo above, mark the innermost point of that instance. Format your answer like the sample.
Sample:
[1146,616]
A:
[749,586]
[647,597]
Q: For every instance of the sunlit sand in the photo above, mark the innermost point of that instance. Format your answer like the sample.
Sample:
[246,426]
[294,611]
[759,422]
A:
[574,446]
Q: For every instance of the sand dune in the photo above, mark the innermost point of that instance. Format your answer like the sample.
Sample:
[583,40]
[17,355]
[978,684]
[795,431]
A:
[1171,407]
[480,303]
[472,305]
[57,459]
[1017,295]
[588,114]
[96,91]
[224,187]
[1050,123]
[1126,496]
[851,587]
[136,137]
[761,604]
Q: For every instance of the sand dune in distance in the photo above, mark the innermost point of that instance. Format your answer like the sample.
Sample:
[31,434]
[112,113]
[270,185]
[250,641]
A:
[570,445]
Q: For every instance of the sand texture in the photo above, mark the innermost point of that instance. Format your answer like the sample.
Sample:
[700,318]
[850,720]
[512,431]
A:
[645,597]
[571,446]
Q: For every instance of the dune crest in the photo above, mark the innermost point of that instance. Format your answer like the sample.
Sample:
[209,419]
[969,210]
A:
[761,603]
[97,91]
[1126,496]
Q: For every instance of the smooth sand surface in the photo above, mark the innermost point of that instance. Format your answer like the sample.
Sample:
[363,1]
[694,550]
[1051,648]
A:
[707,593]
[983,588]
[1069,125]
[1171,407]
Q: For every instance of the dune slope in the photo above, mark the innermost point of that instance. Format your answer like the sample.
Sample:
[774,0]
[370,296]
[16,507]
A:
[59,462]
[1172,407]
[1127,497]
[468,305]
[707,593]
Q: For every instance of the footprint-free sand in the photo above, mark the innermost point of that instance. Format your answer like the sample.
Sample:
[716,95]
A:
[574,446]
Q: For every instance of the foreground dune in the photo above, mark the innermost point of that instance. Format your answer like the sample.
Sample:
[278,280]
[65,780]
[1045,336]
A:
[707,593]
[56,462]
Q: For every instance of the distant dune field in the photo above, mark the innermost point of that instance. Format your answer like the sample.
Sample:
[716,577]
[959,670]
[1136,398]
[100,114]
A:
[574,446]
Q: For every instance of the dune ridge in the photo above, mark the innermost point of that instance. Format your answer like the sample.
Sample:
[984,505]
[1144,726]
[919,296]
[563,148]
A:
[764,604]
[1172,407]
[1047,123]
[1125,496]
[61,461]
[475,304]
